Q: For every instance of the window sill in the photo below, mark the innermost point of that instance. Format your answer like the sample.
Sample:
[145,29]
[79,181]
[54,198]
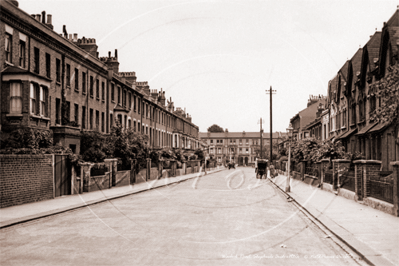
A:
[83,93]
[98,99]
[112,101]
[58,83]
[14,115]
[68,87]
[40,117]
[91,96]
[103,101]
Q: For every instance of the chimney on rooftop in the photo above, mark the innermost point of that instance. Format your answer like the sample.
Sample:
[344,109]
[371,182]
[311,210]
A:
[44,17]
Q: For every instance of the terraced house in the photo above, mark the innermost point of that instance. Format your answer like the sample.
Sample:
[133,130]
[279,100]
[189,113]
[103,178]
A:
[58,82]
[355,93]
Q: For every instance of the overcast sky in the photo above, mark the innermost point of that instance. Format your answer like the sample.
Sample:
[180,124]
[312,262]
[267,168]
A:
[217,58]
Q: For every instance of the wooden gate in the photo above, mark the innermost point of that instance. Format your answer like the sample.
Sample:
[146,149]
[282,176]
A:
[62,175]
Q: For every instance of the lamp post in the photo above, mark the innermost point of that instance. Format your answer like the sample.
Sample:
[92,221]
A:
[289,132]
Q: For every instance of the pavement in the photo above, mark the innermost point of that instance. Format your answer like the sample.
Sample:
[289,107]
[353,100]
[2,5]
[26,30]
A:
[372,233]
[27,212]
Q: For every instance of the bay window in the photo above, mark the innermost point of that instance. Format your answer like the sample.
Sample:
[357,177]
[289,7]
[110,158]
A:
[15,98]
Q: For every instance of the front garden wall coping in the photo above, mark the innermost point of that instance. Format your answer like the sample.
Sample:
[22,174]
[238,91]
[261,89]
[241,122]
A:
[367,162]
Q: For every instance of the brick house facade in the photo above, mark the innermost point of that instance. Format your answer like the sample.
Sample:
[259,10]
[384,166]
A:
[351,100]
[58,82]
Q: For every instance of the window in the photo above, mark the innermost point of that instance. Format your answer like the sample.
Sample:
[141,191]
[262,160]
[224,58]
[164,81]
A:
[130,100]
[97,120]
[83,116]
[43,101]
[102,121]
[246,150]
[48,65]
[120,119]
[124,98]
[130,123]
[134,103]
[97,89]
[8,47]
[76,79]
[34,93]
[103,91]
[134,126]
[15,98]
[36,60]
[83,82]
[22,52]
[138,127]
[211,140]
[373,102]
[353,114]
[68,75]
[91,118]
[111,120]
[344,118]
[68,111]
[76,113]
[112,92]
[119,95]
[58,111]
[91,87]
[138,105]
[58,69]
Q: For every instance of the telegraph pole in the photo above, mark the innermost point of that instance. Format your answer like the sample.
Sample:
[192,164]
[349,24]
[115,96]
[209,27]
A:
[261,131]
[271,92]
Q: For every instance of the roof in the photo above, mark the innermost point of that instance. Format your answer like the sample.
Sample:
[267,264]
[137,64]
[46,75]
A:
[347,133]
[373,49]
[357,63]
[313,123]
[238,135]
[379,127]
[366,129]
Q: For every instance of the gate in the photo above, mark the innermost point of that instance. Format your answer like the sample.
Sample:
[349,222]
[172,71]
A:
[62,175]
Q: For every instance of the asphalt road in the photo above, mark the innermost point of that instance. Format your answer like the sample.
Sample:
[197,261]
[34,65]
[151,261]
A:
[226,218]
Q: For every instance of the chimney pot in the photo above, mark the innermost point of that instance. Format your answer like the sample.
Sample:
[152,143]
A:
[38,17]
[116,53]
[109,54]
[49,17]
[75,37]
[44,17]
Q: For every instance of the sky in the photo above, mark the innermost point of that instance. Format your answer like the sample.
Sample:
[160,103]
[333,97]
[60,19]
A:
[217,58]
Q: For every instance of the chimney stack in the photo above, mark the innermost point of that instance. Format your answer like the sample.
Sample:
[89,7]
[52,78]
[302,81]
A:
[44,17]
[116,53]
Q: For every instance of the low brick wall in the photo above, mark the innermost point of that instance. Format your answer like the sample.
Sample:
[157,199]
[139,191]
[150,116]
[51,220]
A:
[25,178]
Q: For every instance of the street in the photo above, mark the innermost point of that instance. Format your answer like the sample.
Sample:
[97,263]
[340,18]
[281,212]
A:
[226,218]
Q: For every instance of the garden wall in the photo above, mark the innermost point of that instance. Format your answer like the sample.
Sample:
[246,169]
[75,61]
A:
[25,178]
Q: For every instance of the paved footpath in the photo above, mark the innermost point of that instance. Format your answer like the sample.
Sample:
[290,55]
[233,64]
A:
[373,233]
[31,211]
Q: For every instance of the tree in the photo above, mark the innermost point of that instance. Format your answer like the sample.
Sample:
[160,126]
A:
[215,128]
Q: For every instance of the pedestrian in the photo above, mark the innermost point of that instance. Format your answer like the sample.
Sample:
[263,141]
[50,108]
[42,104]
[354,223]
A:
[272,171]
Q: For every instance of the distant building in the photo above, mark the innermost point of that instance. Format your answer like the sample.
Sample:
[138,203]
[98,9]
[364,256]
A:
[239,147]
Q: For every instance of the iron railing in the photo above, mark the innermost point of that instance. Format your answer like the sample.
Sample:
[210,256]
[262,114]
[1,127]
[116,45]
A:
[347,180]
[328,177]
[382,190]
[98,169]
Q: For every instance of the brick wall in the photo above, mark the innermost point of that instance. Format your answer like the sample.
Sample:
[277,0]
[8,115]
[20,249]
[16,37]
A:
[25,179]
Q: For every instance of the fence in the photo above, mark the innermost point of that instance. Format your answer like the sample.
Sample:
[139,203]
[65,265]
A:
[98,169]
[347,179]
[381,189]
[123,166]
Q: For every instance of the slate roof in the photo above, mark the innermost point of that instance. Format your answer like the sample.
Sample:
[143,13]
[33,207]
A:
[373,49]
[357,62]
